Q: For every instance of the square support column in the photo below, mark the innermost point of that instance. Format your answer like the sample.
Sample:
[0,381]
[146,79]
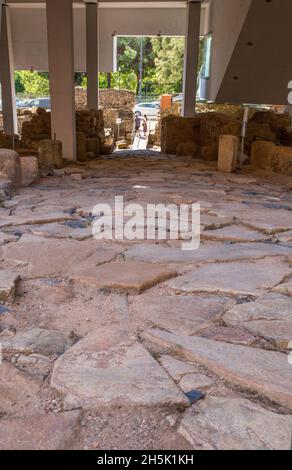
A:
[7,74]
[191,62]
[61,73]
[92,66]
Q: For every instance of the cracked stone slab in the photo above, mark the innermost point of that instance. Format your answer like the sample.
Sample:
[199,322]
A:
[235,424]
[186,314]
[270,316]
[107,368]
[259,218]
[234,278]
[18,391]
[48,257]
[206,253]
[233,233]
[267,373]
[33,340]
[44,432]
[177,368]
[130,276]
[8,282]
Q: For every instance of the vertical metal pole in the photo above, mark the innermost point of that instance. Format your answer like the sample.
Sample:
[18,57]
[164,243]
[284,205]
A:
[141,67]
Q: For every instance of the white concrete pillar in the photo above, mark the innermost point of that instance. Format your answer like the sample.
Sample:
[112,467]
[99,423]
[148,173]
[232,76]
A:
[61,73]
[192,45]
[7,74]
[92,66]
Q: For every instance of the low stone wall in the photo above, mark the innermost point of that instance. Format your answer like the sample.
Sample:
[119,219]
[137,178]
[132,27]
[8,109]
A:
[108,98]
[198,136]
[39,126]
[115,104]
[205,129]
[268,156]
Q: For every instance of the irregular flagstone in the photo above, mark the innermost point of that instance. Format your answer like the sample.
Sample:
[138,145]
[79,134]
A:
[8,281]
[187,314]
[285,288]
[18,391]
[34,219]
[235,424]
[56,257]
[34,340]
[266,372]
[260,218]
[234,233]
[206,253]
[44,432]
[270,316]
[177,368]
[131,276]
[107,368]
[235,278]
[56,230]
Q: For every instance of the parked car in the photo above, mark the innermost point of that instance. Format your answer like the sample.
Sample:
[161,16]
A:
[150,109]
[40,103]
[22,104]
[35,103]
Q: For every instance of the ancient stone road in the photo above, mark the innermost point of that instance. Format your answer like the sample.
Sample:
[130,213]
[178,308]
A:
[103,340]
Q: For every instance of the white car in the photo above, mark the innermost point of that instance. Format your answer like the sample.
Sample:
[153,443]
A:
[150,109]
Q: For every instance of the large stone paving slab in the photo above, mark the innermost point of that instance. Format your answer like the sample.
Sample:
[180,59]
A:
[236,278]
[44,432]
[130,277]
[235,424]
[206,253]
[270,316]
[106,368]
[56,257]
[256,216]
[267,373]
[186,314]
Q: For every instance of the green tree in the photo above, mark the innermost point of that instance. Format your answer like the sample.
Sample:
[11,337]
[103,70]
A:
[169,62]
[19,86]
[129,57]
[33,83]
[169,59]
